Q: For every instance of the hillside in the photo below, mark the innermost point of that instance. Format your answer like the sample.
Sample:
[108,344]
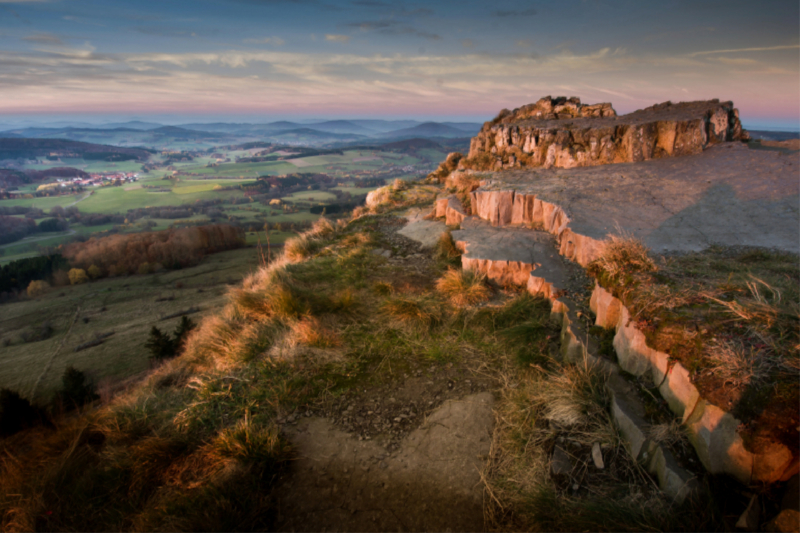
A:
[427,129]
[32,148]
[487,349]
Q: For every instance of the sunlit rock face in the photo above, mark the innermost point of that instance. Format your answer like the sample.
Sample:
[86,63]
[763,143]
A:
[562,132]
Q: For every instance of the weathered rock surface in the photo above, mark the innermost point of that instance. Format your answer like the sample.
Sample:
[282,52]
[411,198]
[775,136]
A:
[510,256]
[431,483]
[425,232]
[564,133]
[729,195]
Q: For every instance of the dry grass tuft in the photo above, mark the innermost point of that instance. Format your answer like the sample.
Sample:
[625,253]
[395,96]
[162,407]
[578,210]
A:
[301,247]
[762,307]
[251,443]
[737,364]
[463,287]
[670,433]
[413,310]
[322,228]
[446,251]
[383,288]
[622,256]
[310,331]
[399,185]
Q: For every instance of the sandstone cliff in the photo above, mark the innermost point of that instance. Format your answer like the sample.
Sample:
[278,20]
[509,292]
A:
[562,132]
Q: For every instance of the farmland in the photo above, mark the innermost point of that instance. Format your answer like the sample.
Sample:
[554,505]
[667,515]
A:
[188,179]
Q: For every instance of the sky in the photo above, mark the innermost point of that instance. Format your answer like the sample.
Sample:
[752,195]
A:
[261,60]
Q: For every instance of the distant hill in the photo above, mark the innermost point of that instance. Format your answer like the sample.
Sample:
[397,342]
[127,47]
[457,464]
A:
[15,148]
[341,126]
[469,127]
[130,125]
[774,135]
[412,144]
[385,125]
[308,133]
[427,129]
[182,133]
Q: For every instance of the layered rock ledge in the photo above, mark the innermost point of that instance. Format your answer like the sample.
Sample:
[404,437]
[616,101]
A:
[729,195]
[562,132]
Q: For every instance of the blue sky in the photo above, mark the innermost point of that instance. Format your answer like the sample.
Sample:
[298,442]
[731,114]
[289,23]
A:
[265,59]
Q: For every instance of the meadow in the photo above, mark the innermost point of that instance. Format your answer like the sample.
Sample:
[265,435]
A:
[128,306]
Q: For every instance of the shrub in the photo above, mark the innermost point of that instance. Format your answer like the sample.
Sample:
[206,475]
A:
[16,413]
[94,272]
[161,346]
[77,276]
[37,288]
[182,331]
[75,390]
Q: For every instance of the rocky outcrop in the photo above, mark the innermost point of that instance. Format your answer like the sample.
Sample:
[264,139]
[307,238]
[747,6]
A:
[564,133]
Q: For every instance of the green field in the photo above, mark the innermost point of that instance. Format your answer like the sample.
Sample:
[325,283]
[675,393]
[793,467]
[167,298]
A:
[125,305]
[203,183]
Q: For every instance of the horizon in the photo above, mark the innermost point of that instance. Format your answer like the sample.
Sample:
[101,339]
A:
[255,61]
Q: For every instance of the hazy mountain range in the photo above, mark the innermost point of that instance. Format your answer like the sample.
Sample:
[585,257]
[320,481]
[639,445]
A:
[323,133]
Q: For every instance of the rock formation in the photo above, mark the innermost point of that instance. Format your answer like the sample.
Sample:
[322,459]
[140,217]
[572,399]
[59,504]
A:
[561,132]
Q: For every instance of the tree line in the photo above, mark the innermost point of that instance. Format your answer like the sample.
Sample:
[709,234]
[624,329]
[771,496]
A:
[139,252]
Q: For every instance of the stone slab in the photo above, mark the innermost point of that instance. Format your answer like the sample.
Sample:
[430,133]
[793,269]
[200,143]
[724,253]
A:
[425,232]
[729,194]
[523,249]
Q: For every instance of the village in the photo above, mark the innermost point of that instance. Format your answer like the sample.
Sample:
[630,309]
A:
[98,179]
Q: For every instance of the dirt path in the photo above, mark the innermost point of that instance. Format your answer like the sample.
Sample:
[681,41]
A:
[432,482]
[403,455]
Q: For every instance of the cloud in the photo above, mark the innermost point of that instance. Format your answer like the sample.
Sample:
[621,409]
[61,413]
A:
[159,31]
[57,78]
[523,43]
[337,38]
[758,49]
[277,41]
[467,43]
[43,38]
[395,10]
[514,13]
[391,27]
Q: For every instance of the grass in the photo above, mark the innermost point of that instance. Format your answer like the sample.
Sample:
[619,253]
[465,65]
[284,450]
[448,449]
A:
[413,310]
[542,407]
[730,316]
[622,256]
[463,287]
[126,305]
[446,253]
[195,444]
